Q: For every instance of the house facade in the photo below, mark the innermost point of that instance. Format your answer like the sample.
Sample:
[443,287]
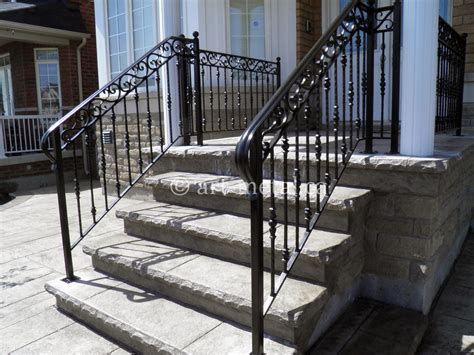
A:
[47,66]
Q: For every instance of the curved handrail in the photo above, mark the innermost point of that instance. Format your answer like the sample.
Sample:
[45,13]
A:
[298,75]
[101,101]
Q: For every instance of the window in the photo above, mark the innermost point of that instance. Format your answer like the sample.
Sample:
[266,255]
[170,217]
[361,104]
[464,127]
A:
[6,94]
[47,80]
[247,28]
[130,32]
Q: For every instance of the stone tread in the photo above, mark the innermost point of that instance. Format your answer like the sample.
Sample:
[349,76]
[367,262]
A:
[154,324]
[323,245]
[206,282]
[342,199]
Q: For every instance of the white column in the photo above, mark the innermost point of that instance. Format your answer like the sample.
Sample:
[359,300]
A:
[418,81]
[2,141]
[169,20]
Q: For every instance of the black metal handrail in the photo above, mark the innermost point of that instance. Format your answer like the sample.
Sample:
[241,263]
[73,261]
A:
[322,111]
[125,127]
[450,78]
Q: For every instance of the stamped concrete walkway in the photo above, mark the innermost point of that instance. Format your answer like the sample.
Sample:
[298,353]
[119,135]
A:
[31,255]
[451,329]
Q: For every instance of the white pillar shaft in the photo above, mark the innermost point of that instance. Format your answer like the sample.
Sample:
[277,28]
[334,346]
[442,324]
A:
[169,18]
[2,141]
[418,84]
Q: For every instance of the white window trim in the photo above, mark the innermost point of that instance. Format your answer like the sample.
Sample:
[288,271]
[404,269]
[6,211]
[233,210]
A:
[129,33]
[10,83]
[49,61]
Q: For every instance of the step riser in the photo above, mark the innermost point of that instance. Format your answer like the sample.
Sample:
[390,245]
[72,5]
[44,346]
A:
[226,166]
[118,331]
[306,267]
[234,310]
[331,219]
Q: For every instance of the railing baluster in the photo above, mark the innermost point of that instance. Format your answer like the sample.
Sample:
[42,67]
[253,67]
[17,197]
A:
[272,221]
[307,210]
[226,100]
[297,182]
[160,117]
[239,101]
[203,100]
[318,149]
[382,84]
[344,68]
[103,163]
[169,101]
[327,88]
[77,188]
[149,121]
[219,118]
[127,141]
[351,96]
[245,98]
[211,98]
[232,95]
[358,119]
[113,117]
[136,97]
[285,252]
[336,123]
[90,156]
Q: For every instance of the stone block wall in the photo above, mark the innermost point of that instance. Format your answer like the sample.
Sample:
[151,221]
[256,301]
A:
[419,215]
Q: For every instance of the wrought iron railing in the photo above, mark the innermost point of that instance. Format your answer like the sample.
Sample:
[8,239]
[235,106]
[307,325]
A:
[450,78]
[305,136]
[119,132]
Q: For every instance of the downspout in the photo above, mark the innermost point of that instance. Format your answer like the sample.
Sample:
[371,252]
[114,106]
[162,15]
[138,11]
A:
[81,98]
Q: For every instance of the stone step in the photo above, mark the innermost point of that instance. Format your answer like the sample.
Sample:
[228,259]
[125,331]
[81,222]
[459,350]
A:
[229,194]
[219,159]
[210,284]
[227,236]
[149,323]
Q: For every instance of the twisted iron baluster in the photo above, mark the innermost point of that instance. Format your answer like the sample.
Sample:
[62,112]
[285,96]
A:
[113,117]
[90,156]
[344,67]
[139,140]
[335,119]
[103,163]
[364,83]
[307,210]
[358,120]
[226,100]
[327,88]
[77,188]
[297,182]
[382,84]
[239,100]
[127,141]
[219,118]
[286,253]
[245,98]
[169,102]
[351,96]
[160,119]
[203,100]
[232,120]
[148,119]
[272,222]
[318,148]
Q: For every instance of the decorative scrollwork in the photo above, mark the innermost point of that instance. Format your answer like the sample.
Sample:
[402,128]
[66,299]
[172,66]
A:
[229,61]
[102,101]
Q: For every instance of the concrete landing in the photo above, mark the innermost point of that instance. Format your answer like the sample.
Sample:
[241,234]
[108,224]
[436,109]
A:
[370,327]
[30,256]
[451,329]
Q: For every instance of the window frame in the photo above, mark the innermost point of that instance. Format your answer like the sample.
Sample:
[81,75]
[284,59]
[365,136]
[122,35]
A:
[38,84]
[8,73]
[129,33]
[267,28]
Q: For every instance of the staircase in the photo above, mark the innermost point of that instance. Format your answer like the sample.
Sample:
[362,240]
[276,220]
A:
[178,278]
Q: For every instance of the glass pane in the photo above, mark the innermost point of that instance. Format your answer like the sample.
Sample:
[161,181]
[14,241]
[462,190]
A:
[257,47]
[112,7]
[444,9]
[113,26]
[256,25]
[120,6]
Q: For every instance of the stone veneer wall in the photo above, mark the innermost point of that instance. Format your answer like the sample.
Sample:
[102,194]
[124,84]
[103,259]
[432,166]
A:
[420,213]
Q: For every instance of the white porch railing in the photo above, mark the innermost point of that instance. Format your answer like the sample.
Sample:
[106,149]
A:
[22,133]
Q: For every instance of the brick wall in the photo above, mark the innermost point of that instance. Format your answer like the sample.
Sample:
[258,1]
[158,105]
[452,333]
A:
[307,10]
[463,22]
